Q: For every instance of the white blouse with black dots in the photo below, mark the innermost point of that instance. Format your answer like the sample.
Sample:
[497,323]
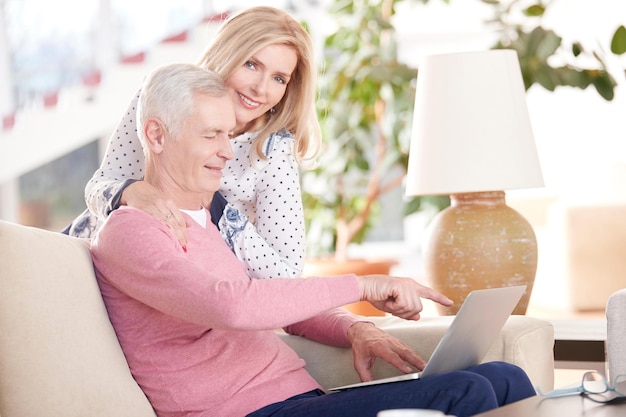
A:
[265,223]
[267,193]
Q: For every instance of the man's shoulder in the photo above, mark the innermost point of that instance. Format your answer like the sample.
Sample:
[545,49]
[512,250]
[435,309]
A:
[124,222]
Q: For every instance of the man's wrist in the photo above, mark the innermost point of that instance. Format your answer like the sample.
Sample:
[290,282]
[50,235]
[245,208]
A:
[356,328]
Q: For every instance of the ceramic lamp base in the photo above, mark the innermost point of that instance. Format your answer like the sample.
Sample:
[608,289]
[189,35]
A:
[479,242]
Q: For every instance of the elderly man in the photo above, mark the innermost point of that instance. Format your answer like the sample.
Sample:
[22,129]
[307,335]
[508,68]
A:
[198,334]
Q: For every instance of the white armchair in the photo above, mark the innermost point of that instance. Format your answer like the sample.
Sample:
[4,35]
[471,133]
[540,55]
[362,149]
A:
[59,355]
[616,333]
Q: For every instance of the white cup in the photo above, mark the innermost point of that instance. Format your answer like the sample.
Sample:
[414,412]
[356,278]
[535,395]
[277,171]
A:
[410,412]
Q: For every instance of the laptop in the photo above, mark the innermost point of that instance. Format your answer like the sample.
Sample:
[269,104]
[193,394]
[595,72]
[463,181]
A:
[469,337]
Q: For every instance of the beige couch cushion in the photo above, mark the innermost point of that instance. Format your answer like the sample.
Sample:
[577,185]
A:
[58,352]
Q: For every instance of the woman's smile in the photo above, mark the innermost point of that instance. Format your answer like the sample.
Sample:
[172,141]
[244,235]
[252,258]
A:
[248,101]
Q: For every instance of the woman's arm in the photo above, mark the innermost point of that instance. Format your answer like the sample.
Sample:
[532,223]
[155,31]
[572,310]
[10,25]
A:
[272,243]
[123,162]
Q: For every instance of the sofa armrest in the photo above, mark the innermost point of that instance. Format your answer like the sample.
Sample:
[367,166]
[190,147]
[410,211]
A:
[616,333]
[524,341]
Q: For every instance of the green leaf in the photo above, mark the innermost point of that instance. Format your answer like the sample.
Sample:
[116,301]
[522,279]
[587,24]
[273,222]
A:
[573,78]
[577,48]
[535,10]
[618,43]
[546,78]
[605,85]
[413,206]
[533,40]
[550,42]
[418,203]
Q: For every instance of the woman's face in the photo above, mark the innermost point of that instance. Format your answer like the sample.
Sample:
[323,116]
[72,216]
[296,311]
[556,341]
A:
[260,83]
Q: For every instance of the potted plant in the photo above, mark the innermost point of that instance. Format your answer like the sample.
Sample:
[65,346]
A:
[365,107]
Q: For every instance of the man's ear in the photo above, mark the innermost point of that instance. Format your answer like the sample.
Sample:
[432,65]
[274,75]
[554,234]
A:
[154,132]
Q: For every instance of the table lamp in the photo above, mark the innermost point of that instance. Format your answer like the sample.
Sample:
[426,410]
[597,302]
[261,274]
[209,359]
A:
[472,139]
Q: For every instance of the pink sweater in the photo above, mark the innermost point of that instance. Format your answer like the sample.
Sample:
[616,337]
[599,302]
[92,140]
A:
[197,333]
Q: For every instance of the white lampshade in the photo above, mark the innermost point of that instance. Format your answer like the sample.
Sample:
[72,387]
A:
[471,129]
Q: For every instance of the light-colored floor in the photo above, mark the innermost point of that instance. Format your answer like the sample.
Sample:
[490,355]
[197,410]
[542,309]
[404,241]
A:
[565,377]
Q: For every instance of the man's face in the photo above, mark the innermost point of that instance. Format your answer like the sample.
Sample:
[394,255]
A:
[193,162]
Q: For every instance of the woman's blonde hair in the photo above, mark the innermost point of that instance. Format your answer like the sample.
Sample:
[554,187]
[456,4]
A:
[244,34]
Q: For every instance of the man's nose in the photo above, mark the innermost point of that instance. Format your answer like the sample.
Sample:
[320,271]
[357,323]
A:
[226,148]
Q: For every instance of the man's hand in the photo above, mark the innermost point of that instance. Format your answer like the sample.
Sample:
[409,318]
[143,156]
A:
[148,198]
[398,296]
[369,342]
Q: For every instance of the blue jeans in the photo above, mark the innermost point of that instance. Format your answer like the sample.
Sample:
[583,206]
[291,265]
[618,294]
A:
[459,393]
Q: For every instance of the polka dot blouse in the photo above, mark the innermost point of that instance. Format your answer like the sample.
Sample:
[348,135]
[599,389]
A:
[267,193]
